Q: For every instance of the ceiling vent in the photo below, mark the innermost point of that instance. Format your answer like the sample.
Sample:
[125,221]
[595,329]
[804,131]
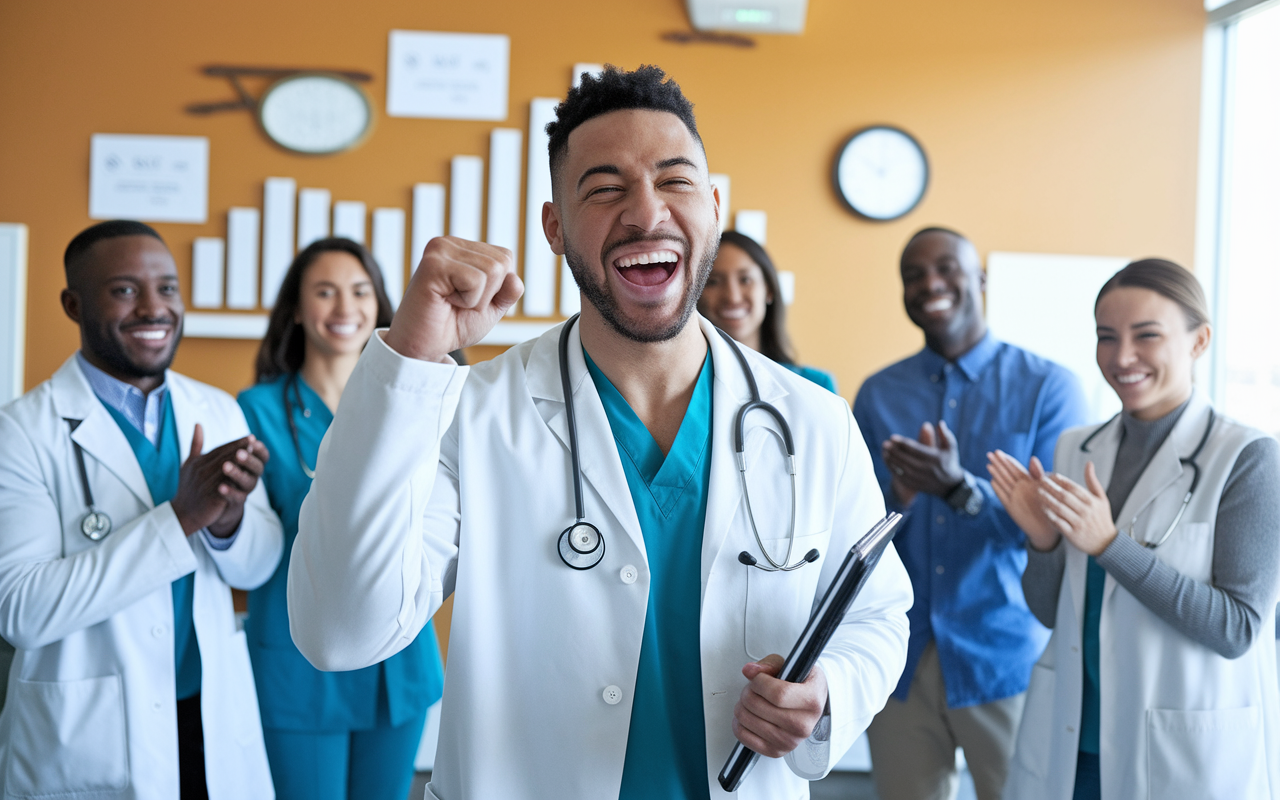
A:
[749,16]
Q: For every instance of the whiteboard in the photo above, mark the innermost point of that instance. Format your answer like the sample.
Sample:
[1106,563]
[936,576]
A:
[1043,302]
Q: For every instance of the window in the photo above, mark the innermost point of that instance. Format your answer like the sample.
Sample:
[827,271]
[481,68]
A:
[1245,258]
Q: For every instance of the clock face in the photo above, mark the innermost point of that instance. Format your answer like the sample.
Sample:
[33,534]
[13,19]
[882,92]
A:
[315,114]
[881,173]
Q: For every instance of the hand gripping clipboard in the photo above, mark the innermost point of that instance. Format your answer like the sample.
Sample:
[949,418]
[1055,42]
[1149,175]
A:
[849,580]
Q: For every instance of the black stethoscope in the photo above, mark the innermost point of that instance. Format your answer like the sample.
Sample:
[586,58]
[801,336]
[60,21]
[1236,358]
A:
[581,544]
[1190,461]
[292,383]
[94,524]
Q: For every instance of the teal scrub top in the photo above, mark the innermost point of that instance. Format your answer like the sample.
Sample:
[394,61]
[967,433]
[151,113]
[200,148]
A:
[824,379]
[1091,702]
[666,746]
[292,694]
[160,463]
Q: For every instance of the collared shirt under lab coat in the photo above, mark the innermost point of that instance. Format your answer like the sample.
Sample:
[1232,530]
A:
[432,479]
[90,705]
[1177,719]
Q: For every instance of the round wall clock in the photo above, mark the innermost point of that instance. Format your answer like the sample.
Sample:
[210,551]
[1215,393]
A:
[315,114]
[881,173]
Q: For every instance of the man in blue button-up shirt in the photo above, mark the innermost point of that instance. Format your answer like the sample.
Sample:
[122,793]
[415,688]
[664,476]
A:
[932,418]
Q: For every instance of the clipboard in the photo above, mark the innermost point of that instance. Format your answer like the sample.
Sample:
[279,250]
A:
[851,577]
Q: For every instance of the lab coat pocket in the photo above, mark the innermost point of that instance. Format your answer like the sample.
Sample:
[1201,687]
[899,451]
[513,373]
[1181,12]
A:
[68,737]
[779,603]
[1034,734]
[1206,755]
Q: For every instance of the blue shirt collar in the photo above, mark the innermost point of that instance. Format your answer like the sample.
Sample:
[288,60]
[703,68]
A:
[142,410]
[972,363]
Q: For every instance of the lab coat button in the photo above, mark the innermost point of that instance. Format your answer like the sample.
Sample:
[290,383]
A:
[612,695]
[157,631]
[1070,729]
[628,574]
[156,706]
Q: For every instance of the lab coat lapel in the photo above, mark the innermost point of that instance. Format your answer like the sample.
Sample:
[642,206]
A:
[188,409]
[97,434]
[597,451]
[1102,452]
[1165,468]
[731,391]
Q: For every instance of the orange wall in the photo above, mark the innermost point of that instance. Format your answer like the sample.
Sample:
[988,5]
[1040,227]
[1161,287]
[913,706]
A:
[1059,127]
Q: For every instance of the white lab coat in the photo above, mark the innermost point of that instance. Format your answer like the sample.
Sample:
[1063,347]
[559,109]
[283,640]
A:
[1177,719]
[90,705]
[431,479]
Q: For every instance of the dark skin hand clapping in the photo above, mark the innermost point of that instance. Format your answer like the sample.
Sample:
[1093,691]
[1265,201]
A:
[929,464]
[213,486]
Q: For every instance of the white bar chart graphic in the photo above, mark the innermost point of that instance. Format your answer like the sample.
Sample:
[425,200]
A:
[242,258]
[539,261]
[313,216]
[279,202]
[466,195]
[388,249]
[235,279]
[428,219]
[348,220]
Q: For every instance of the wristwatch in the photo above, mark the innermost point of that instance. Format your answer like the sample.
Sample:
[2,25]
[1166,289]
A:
[965,498]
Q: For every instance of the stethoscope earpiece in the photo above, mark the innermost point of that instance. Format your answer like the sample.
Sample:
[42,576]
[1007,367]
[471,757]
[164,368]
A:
[749,560]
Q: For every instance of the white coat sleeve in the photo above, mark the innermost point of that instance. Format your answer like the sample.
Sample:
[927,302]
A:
[369,564]
[254,555]
[44,597]
[865,658]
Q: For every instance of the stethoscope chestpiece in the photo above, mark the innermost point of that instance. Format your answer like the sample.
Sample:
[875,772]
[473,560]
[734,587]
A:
[95,525]
[581,545]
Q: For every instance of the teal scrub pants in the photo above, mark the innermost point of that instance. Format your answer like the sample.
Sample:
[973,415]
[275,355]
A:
[374,764]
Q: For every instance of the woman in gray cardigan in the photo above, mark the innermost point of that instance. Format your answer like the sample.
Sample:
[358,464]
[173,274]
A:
[1154,554]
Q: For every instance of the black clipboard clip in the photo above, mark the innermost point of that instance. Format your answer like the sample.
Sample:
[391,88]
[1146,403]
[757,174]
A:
[851,577]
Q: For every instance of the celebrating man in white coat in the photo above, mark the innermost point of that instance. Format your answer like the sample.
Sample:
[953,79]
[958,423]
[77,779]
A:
[582,496]
[118,542]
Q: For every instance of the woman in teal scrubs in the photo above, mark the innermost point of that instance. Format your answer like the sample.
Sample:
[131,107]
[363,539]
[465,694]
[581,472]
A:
[743,298]
[329,735]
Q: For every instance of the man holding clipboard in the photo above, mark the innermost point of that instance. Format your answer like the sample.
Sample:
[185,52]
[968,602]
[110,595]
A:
[584,494]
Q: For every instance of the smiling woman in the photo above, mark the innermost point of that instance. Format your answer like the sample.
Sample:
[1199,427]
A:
[742,297]
[1162,518]
[329,304]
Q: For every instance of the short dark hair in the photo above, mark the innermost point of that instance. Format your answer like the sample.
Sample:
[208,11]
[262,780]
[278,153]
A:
[93,234]
[1166,279]
[775,342]
[933,229]
[647,88]
[285,345]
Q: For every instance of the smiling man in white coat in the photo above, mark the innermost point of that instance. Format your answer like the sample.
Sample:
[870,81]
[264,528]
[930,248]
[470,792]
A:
[607,640]
[118,541]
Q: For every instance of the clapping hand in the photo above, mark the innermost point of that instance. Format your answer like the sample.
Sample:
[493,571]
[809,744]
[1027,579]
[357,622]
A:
[1081,513]
[1020,493]
[213,486]
[929,463]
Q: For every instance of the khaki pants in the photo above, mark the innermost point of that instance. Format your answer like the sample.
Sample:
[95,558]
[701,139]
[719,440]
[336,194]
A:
[913,743]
